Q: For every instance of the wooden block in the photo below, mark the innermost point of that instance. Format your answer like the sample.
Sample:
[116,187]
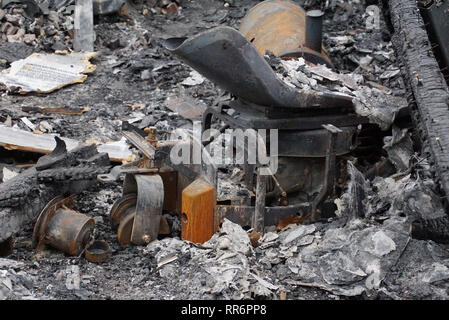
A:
[197,219]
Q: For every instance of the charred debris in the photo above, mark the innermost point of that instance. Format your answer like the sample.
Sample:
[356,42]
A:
[97,97]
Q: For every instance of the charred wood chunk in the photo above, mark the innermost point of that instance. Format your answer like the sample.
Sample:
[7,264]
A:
[60,173]
[57,156]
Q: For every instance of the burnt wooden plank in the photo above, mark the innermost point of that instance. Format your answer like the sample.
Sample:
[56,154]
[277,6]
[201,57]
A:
[16,139]
[421,72]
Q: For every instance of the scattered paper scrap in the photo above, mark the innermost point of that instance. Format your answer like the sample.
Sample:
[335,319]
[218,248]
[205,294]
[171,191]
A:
[44,73]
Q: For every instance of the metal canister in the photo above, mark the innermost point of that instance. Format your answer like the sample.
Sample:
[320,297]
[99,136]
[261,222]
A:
[69,231]
[280,27]
[62,228]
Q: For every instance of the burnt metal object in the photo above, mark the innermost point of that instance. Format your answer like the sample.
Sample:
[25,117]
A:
[299,137]
[137,140]
[148,206]
[143,198]
[243,215]
[280,27]
[23,197]
[126,223]
[98,252]
[62,228]
[150,198]
[302,176]
[244,115]
[423,78]
[258,221]
[157,154]
[314,143]
[138,214]
[125,230]
[122,207]
[314,30]
[329,174]
[117,171]
[226,57]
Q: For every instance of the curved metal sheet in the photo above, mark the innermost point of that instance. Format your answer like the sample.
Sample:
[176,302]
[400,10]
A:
[226,57]
[150,198]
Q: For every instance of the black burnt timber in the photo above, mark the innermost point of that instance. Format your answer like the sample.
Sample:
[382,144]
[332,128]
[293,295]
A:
[421,72]
[23,197]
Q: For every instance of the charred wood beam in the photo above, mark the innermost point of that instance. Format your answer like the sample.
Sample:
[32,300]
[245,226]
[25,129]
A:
[60,173]
[422,75]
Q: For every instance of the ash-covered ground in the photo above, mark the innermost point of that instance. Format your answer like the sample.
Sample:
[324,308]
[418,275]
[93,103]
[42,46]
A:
[345,257]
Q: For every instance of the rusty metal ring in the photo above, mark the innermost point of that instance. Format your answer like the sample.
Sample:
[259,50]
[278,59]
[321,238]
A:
[125,229]
[121,208]
[97,252]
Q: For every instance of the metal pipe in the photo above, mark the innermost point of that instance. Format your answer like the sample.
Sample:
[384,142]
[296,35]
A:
[314,30]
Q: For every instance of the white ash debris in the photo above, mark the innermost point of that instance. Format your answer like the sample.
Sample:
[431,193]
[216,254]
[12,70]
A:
[299,232]
[353,256]
[14,283]
[370,99]
[346,261]
[382,244]
[224,267]
[399,148]
[195,78]
[352,202]
[371,256]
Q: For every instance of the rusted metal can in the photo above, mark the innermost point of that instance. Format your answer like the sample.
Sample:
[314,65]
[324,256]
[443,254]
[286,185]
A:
[280,27]
[62,228]
[69,231]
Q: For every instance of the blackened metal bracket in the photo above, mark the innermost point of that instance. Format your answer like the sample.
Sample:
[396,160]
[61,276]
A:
[329,175]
